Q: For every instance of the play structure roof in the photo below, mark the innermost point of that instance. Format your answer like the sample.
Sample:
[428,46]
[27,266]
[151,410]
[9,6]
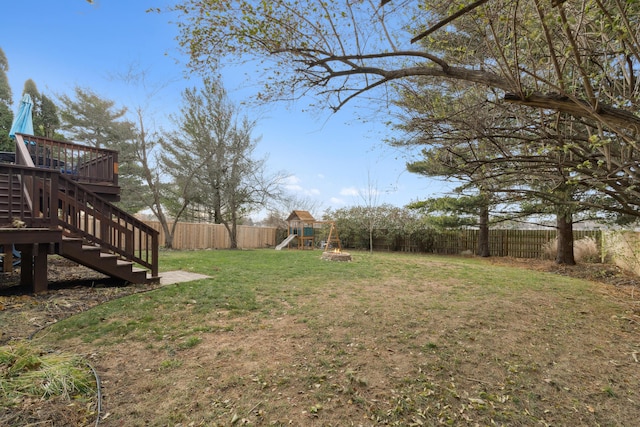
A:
[301,216]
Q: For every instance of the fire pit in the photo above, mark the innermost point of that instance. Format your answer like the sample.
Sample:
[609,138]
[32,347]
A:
[336,256]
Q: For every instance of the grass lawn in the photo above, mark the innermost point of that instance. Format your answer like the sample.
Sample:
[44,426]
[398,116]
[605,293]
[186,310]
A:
[284,338]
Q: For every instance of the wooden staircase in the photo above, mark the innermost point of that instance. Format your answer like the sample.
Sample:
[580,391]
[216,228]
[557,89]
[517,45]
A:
[61,215]
[94,257]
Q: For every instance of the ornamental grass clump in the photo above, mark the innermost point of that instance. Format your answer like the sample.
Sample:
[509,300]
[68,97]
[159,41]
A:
[584,250]
[28,372]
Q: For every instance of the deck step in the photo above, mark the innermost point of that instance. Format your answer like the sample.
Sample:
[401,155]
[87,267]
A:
[94,257]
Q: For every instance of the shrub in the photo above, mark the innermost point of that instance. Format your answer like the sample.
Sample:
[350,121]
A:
[621,248]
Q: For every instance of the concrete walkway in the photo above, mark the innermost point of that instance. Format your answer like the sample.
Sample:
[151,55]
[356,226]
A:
[171,277]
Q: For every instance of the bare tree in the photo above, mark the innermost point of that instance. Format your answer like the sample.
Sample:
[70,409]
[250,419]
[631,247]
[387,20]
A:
[370,197]
[151,189]
[166,200]
[210,156]
[280,210]
[342,49]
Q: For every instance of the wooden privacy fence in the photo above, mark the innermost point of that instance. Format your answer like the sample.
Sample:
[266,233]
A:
[215,236]
[512,243]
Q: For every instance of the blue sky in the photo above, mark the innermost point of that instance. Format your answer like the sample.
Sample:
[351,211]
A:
[63,44]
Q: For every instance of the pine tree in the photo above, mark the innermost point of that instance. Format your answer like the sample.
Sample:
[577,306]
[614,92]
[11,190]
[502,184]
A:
[6,114]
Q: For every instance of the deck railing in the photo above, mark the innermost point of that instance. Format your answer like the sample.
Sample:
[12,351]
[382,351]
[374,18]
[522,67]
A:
[81,163]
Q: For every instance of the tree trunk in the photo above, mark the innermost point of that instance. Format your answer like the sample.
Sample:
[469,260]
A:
[168,236]
[483,232]
[370,239]
[564,226]
[217,208]
[168,232]
[168,240]
[233,232]
[234,236]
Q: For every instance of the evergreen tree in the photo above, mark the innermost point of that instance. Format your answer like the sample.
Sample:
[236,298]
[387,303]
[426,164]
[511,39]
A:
[47,122]
[6,113]
[45,113]
[5,89]
[93,120]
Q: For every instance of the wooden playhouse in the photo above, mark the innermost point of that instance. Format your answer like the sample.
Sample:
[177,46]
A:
[301,226]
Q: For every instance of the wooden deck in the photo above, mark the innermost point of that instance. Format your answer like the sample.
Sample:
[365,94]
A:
[44,208]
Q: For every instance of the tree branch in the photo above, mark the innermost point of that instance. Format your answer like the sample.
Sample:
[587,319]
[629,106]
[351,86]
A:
[448,20]
[612,116]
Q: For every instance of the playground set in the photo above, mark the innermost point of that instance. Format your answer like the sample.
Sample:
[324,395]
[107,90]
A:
[301,227]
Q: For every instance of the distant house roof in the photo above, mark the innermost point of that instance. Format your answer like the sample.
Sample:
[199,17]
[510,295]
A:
[301,216]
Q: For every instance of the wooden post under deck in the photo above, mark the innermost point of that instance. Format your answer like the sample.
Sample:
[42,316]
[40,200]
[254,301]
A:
[33,266]
[33,243]
[26,264]
[40,282]
[7,261]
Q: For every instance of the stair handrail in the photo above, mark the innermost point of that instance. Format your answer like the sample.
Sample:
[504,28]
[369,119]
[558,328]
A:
[98,221]
[22,154]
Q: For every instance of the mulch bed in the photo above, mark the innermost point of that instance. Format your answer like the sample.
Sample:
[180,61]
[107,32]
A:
[72,289]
